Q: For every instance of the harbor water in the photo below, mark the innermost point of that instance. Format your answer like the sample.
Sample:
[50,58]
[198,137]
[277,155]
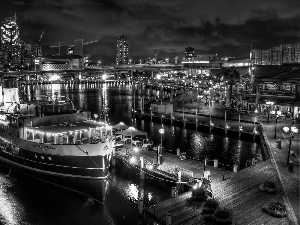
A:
[26,200]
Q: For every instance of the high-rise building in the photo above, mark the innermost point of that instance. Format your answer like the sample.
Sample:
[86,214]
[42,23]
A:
[122,50]
[189,53]
[14,53]
[10,31]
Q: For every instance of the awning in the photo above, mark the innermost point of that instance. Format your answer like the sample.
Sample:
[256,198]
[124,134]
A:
[120,126]
[131,131]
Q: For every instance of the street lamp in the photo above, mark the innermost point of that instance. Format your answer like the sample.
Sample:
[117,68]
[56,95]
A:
[255,119]
[161,131]
[269,104]
[294,130]
[276,118]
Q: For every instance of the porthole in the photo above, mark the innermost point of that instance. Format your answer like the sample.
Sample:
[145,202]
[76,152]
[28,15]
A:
[42,157]
[35,156]
[49,158]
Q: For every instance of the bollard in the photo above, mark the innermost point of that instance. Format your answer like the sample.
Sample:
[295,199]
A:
[279,143]
[141,206]
[235,168]
[291,166]
[178,151]
[216,163]
[169,219]
[174,192]
[253,162]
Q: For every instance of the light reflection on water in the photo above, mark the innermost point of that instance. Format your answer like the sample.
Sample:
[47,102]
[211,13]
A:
[11,211]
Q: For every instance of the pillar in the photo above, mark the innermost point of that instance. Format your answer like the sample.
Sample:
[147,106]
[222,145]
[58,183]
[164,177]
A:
[142,174]
[42,137]
[179,176]
[141,206]
[55,138]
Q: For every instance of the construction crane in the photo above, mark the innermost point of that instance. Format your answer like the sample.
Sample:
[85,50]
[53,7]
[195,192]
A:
[155,56]
[176,59]
[60,44]
[39,42]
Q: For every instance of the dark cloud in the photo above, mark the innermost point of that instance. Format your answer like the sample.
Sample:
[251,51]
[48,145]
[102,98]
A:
[210,26]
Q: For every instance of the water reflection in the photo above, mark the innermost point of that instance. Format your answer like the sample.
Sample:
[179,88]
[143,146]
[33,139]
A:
[118,100]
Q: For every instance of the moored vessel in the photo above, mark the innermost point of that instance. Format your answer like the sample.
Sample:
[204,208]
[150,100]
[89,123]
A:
[47,138]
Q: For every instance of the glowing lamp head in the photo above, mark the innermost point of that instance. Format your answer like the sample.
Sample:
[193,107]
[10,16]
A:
[286,129]
[132,160]
[161,131]
[294,130]
[135,149]
[104,76]
[150,167]
[256,111]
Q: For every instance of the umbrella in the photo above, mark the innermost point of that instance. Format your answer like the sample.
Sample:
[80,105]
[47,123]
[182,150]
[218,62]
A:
[120,126]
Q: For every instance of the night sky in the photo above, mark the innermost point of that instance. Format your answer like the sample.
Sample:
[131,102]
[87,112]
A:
[223,27]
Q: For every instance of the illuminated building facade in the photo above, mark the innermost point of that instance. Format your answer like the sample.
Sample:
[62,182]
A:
[122,50]
[285,53]
[61,62]
[14,53]
[9,31]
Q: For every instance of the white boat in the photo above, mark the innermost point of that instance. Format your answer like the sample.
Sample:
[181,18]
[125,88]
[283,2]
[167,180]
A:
[50,139]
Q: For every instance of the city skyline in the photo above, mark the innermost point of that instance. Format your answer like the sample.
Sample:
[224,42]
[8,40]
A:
[166,27]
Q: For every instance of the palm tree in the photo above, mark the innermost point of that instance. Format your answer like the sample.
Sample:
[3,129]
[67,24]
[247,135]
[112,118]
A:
[232,75]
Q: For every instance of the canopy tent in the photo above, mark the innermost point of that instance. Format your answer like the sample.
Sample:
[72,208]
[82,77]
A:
[120,126]
[131,131]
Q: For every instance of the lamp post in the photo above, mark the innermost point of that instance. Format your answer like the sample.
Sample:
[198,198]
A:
[255,119]
[161,131]
[159,152]
[225,127]
[294,130]
[210,122]
[276,118]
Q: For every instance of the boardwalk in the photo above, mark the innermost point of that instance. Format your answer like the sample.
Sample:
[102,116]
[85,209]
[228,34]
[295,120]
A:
[240,193]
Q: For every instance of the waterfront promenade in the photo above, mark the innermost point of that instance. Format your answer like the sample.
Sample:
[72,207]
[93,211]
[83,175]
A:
[236,187]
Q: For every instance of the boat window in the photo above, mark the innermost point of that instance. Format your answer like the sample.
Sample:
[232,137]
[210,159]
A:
[49,158]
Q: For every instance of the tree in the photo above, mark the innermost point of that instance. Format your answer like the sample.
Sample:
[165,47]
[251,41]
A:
[232,75]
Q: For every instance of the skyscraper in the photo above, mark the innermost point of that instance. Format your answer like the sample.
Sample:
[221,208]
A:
[122,50]
[14,52]
[9,31]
